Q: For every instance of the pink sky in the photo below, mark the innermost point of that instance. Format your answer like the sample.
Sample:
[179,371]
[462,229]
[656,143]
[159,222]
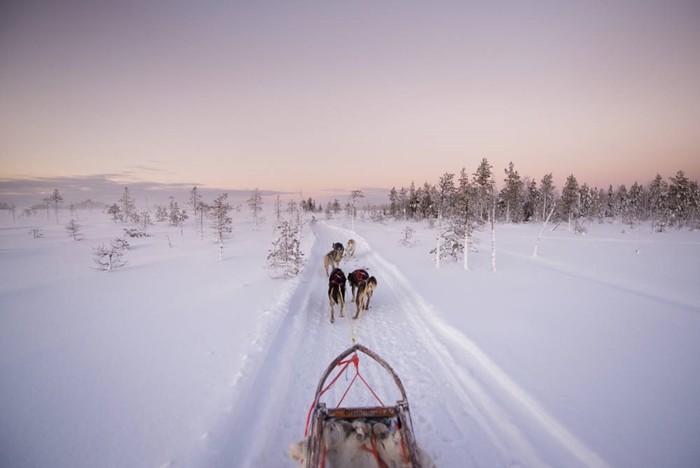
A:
[344,95]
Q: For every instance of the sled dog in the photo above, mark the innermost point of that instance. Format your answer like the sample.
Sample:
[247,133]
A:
[365,286]
[331,259]
[350,251]
[336,291]
[363,444]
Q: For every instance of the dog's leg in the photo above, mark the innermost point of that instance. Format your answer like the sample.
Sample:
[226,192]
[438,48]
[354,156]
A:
[358,301]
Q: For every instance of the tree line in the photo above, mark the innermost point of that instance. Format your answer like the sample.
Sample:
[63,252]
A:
[468,199]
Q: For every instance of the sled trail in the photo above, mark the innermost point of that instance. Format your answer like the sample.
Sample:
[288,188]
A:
[462,404]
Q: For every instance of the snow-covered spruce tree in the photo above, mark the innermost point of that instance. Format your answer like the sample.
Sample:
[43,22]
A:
[145,221]
[569,205]
[482,184]
[47,204]
[73,229]
[658,204]
[195,202]
[512,195]
[255,203]
[468,215]
[278,209]
[115,212]
[177,218]
[413,201]
[450,242]
[203,211]
[285,258]
[682,200]
[637,197]
[161,213]
[547,191]
[127,207]
[221,221]
[56,200]
[393,203]
[533,202]
[444,201]
[427,205]
[108,258]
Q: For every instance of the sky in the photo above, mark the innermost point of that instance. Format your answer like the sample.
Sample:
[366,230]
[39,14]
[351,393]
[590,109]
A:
[329,97]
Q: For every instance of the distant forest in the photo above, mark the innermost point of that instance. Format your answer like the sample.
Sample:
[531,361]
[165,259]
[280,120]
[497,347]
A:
[469,200]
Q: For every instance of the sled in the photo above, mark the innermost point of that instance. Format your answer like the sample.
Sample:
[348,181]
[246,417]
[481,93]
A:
[320,414]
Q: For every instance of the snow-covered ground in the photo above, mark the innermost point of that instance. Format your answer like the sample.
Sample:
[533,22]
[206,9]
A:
[587,355]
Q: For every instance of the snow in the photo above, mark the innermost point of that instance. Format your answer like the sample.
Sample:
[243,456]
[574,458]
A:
[586,355]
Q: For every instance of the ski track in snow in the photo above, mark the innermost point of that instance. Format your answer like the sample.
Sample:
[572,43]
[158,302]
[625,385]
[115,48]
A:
[611,282]
[459,399]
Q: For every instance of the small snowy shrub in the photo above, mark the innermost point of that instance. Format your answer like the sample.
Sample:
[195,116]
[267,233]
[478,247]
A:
[109,257]
[407,239]
[73,229]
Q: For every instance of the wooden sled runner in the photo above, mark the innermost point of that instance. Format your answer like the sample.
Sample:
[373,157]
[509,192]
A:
[374,447]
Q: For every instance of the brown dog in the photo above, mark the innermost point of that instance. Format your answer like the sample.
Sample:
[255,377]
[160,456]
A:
[331,259]
[336,291]
[365,286]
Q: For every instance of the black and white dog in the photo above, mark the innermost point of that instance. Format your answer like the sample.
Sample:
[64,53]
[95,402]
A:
[365,286]
[336,291]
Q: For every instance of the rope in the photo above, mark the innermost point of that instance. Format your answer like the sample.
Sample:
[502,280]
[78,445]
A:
[354,360]
[351,333]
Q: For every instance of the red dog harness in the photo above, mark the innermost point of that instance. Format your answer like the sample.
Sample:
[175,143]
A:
[361,276]
[337,278]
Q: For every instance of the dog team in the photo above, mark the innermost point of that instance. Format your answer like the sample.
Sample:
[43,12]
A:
[361,283]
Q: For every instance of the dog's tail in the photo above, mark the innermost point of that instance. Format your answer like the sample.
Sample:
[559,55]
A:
[337,294]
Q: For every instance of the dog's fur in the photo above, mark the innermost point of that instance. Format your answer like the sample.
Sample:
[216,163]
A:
[349,445]
[365,289]
[336,291]
[332,259]
[350,251]
[364,294]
